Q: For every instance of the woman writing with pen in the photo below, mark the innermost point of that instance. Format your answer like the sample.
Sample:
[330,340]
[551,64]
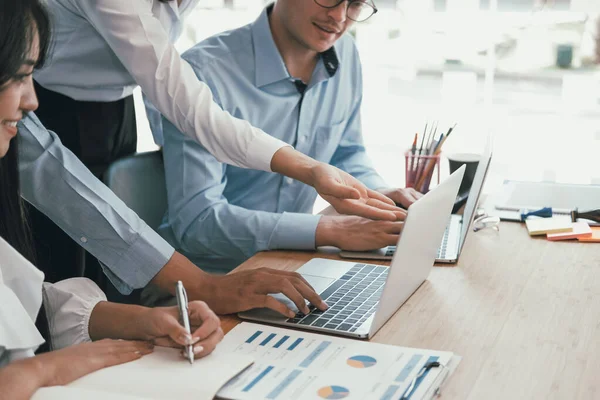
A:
[73,313]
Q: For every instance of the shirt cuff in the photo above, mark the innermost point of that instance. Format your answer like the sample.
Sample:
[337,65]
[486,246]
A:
[261,150]
[295,232]
[373,181]
[142,261]
[69,305]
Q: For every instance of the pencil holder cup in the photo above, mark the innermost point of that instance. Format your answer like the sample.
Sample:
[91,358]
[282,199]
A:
[419,170]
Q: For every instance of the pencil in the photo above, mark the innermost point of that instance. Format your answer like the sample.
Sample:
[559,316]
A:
[430,166]
[412,161]
[421,161]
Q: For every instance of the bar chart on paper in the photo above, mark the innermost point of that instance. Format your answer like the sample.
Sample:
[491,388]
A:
[300,365]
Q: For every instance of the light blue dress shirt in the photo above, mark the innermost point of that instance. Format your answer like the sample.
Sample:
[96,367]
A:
[221,215]
[55,182]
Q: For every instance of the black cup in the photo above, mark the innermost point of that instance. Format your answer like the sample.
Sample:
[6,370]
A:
[471,161]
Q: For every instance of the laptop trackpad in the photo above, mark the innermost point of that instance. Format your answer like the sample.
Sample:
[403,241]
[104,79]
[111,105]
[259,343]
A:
[319,283]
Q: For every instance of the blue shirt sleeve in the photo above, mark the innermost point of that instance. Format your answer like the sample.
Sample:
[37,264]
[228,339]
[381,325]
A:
[351,155]
[57,183]
[202,221]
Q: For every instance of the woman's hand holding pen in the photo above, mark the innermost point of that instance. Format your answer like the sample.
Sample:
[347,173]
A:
[161,325]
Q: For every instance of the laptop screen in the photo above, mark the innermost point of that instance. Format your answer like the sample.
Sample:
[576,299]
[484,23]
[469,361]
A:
[475,192]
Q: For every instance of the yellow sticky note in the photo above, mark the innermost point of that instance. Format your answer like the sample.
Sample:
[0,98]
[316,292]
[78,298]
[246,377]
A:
[542,226]
[595,238]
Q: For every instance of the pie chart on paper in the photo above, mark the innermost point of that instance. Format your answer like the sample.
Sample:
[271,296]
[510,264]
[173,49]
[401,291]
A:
[361,361]
[333,392]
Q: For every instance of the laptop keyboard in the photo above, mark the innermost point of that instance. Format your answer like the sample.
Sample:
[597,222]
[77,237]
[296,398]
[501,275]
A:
[352,299]
[390,250]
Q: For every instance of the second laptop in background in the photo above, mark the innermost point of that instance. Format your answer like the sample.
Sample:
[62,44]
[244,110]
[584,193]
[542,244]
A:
[457,228]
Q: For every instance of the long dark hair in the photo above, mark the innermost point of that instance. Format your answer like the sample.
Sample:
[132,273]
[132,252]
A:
[20,22]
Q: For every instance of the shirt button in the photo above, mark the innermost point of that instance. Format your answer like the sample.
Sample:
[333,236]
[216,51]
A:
[83,239]
[289,181]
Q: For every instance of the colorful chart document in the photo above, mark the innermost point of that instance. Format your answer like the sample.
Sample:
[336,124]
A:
[291,364]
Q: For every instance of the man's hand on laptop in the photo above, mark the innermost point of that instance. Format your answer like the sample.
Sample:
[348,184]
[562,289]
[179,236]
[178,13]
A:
[356,233]
[402,197]
[244,290]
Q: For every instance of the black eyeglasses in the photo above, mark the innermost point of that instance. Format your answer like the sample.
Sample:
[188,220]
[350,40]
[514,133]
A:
[356,10]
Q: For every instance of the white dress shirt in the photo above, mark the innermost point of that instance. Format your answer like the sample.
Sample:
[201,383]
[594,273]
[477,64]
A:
[103,48]
[68,304]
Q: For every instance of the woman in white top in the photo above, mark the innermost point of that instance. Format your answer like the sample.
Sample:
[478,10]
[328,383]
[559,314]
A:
[102,50]
[72,313]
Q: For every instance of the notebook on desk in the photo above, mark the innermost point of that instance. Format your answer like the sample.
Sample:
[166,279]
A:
[163,374]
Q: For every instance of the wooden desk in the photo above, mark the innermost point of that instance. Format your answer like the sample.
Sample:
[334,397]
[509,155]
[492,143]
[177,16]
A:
[523,313]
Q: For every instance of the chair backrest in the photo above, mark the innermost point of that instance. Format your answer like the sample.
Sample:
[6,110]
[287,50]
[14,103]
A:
[139,181]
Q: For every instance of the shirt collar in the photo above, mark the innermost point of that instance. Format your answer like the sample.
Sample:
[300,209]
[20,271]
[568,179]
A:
[269,64]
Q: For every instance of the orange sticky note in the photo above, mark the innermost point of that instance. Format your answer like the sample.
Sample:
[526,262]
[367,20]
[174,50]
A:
[580,230]
[594,238]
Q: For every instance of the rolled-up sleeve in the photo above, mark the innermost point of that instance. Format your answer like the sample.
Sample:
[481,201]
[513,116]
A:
[69,305]
[55,182]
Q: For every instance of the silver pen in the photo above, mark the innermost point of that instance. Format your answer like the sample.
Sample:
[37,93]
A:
[182,304]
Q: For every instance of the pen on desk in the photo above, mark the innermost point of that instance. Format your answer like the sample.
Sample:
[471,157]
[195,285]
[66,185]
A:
[545,212]
[520,209]
[592,215]
[182,304]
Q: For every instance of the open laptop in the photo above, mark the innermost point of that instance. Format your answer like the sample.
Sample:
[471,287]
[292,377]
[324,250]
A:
[457,228]
[363,297]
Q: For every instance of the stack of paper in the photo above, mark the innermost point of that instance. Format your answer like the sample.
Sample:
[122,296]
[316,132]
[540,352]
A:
[580,230]
[593,238]
[290,364]
[542,226]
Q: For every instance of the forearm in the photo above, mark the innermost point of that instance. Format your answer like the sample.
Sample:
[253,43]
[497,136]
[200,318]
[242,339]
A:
[118,321]
[20,379]
[357,163]
[179,268]
[235,233]
[292,163]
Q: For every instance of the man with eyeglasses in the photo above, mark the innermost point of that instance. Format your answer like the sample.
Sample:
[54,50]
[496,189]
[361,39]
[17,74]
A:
[296,74]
